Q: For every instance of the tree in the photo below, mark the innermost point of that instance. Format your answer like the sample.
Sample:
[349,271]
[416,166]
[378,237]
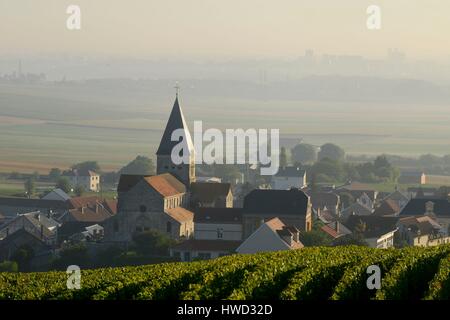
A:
[54,174]
[87,165]
[64,184]
[304,153]
[152,242]
[79,190]
[141,165]
[315,238]
[9,266]
[75,254]
[30,187]
[23,256]
[331,151]
[283,158]
[381,162]
[349,240]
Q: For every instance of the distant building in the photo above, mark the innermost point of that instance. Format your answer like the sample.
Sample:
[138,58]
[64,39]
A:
[212,195]
[377,231]
[408,177]
[356,209]
[57,195]
[292,207]
[322,201]
[194,249]
[218,224]
[88,179]
[388,207]
[335,230]
[289,177]
[272,235]
[437,208]
[422,231]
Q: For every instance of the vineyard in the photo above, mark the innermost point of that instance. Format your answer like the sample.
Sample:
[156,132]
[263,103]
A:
[308,274]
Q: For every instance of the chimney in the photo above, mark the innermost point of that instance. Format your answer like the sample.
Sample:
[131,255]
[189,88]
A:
[288,239]
[337,227]
[96,207]
[42,231]
[82,209]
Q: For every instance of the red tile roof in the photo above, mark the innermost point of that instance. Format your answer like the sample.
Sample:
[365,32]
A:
[166,184]
[180,214]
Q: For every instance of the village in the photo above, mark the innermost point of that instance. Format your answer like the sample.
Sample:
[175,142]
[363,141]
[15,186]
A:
[182,213]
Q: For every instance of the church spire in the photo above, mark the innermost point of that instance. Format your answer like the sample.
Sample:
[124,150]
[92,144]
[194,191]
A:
[186,171]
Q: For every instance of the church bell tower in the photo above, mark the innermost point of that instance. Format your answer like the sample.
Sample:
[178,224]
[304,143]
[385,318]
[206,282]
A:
[185,171]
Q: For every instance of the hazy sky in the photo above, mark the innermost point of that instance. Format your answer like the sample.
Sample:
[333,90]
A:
[217,29]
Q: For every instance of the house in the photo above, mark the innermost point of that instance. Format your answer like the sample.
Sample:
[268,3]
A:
[87,179]
[357,190]
[321,201]
[77,219]
[93,232]
[436,208]
[388,207]
[57,195]
[36,223]
[377,231]
[218,224]
[210,194]
[355,209]
[420,192]
[398,197]
[421,231]
[335,230]
[42,251]
[193,249]
[150,202]
[289,177]
[10,207]
[292,207]
[272,235]
[412,177]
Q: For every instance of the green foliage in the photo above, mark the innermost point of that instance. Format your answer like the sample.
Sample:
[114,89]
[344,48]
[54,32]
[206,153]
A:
[87,165]
[30,187]
[315,238]
[9,266]
[319,273]
[304,153]
[331,151]
[152,242]
[141,165]
[54,174]
[79,190]
[64,184]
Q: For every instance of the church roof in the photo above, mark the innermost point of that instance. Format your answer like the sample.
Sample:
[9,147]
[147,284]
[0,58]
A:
[166,184]
[176,121]
[180,214]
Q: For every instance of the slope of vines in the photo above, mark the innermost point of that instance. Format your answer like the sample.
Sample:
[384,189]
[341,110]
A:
[308,274]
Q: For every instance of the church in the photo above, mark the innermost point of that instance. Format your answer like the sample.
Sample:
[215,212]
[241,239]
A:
[162,201]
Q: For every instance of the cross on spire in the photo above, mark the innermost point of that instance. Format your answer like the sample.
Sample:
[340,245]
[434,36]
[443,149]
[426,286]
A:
[177,89]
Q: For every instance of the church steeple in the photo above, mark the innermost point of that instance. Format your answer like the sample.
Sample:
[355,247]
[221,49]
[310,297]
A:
[186,171]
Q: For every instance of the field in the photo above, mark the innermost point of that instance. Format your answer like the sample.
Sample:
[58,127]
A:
[338,273]
[56,125]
